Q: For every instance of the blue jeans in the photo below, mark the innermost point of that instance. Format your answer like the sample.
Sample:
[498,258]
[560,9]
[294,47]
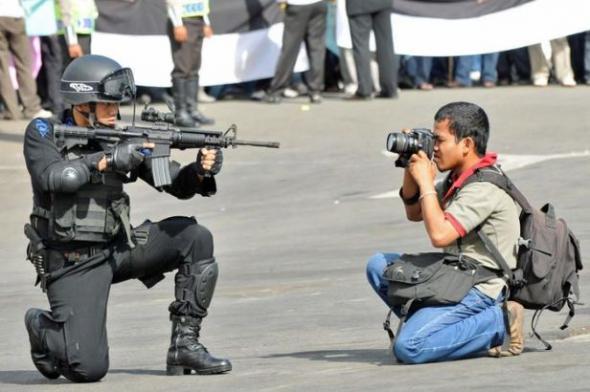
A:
[442,333]
[418,68]
[488,63]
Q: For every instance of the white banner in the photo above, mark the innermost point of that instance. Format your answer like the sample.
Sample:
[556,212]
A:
[226,58]
[524,25]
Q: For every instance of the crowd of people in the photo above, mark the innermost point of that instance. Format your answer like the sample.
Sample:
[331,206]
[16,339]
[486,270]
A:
[359,73]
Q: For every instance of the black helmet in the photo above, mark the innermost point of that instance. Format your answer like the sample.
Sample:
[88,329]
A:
[94,78]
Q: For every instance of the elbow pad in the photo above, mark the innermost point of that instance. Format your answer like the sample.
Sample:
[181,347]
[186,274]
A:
[68,176]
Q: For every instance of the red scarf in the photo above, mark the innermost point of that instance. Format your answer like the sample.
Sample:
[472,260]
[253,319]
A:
[488,160]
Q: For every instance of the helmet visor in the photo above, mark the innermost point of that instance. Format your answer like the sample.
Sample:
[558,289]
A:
[118,86]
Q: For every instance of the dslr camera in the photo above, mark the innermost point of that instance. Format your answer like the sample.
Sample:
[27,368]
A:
[406,144]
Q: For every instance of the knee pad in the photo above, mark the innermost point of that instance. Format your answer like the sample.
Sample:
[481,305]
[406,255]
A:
[195,285]
[205,283]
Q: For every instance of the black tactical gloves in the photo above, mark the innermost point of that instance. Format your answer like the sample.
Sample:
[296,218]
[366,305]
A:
[125,156]
[209,163]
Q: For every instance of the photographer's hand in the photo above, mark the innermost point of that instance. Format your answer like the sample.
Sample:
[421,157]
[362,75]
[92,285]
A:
[423,171]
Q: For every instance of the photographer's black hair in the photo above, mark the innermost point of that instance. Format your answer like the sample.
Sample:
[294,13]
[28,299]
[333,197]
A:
[466,120]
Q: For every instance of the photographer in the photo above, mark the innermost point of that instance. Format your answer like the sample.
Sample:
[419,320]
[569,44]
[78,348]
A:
[451,216]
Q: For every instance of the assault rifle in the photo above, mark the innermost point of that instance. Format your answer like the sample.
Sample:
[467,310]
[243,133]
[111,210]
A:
[164,137]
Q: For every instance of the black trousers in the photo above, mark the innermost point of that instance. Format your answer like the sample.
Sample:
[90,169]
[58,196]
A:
[75,328]
[84,41]
[187,55]
[360,30]
[514,65]
[303,23]
[49,77]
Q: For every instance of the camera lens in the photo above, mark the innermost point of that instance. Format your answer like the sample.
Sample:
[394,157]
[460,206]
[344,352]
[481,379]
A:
[396,142]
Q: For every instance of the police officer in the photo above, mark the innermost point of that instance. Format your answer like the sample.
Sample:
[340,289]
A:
[188,25]
[85,242]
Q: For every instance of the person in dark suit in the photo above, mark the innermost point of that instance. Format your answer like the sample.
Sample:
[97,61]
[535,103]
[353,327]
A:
[364,16]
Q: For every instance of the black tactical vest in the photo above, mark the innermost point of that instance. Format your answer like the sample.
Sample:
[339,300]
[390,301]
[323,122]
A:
[95,213]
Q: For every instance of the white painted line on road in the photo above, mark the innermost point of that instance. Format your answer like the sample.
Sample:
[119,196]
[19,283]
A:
[507,161]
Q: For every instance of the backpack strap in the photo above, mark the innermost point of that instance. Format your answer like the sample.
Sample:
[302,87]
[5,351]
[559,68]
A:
[507,273]
[495,175]
[405,310]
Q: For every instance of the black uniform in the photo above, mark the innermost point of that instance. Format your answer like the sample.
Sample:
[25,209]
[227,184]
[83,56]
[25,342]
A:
[303,23]
[186,57]
[364,16]
[90,245]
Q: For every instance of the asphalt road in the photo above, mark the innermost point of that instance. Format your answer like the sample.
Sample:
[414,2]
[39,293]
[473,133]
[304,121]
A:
[293,229]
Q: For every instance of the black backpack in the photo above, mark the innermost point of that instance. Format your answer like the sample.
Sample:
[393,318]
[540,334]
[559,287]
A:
[546,275]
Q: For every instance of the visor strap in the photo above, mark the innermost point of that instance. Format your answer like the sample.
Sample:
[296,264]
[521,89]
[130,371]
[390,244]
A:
[92,114]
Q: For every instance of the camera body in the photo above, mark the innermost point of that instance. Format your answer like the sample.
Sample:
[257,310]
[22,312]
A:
[406,144]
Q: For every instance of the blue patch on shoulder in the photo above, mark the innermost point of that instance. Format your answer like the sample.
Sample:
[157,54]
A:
[42,127]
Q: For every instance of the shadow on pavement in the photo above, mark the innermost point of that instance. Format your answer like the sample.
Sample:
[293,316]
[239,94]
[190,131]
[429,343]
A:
[144,372]
[379,357]
[27,377]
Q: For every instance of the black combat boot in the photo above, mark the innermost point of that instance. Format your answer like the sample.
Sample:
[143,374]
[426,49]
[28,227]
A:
[42,359]
[182,117]
[192,88]
[187,354]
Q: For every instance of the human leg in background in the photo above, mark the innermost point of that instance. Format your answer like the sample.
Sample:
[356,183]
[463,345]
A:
[315,40]
[562,62]
[386,59]
[539,66]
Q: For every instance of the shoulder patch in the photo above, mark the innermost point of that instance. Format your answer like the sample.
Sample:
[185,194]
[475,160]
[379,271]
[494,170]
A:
[42,127]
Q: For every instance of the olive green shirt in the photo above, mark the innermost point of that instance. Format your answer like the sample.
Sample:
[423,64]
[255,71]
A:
[483,203]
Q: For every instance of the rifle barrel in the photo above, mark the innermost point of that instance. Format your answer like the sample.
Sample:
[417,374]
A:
[255,143]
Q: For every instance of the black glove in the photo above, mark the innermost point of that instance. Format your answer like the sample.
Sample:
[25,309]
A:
[125,156]
[216,168]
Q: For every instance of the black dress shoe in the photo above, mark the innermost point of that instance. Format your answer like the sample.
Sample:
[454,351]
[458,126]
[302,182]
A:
[387,96]
[315,98]
[358,97]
